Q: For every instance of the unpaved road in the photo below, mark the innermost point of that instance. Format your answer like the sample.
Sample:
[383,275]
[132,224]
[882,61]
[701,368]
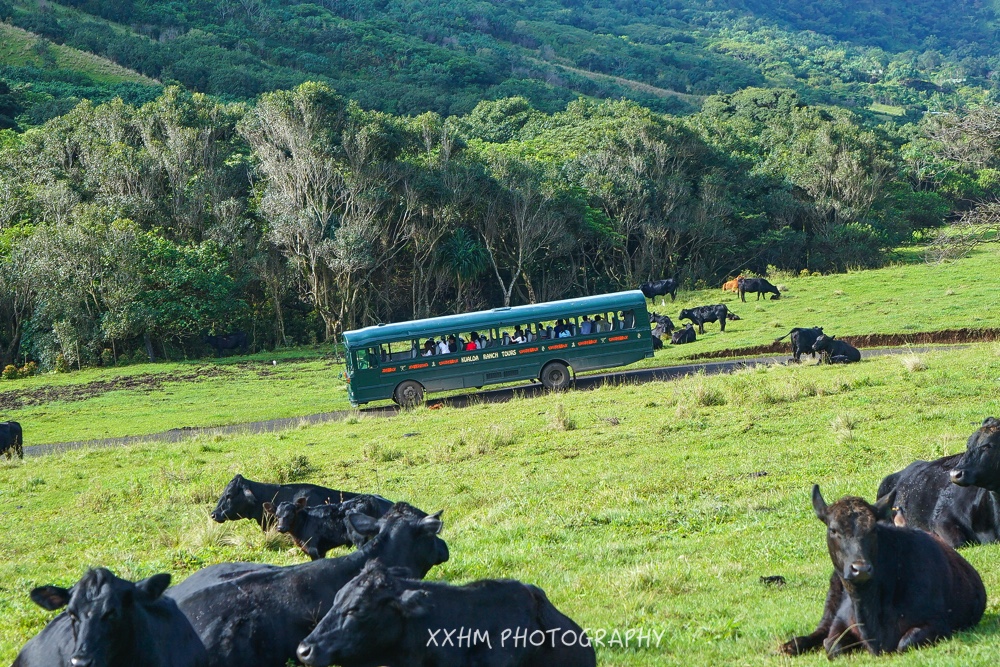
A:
[584,382]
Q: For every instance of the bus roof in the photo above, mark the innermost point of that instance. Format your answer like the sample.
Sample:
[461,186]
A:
[498,317]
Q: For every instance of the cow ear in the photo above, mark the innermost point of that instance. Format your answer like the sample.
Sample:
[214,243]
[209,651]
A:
[301,502]
[153,587]
[50,597]
[363,523]
[413,603]
[432,524]
[883,506]
[819,505]
[269,508]
[249,494]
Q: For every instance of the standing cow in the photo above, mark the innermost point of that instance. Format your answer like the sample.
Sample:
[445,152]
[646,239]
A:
[802,341]
[892,588]
[234,341]
[11,440]
[655,288]
[111,622]
[716,313]
[382,619]
[758,285]
[244,499]
[956,497]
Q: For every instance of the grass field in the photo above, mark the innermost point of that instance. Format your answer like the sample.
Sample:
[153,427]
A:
[149,398]
[657,506]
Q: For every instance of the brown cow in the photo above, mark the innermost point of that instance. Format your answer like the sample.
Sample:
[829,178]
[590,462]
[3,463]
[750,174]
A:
[732,285]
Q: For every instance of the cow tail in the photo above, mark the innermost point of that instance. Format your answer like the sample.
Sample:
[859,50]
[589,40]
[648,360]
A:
[778,340]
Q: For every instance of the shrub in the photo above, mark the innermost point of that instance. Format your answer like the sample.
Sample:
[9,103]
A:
[62,366]
[107,357]
[9,373]
[140,356]
[29,369]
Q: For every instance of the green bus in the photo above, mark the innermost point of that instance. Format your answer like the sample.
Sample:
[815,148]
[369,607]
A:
[403,361]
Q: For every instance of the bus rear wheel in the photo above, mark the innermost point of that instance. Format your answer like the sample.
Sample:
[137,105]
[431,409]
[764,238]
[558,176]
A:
[408,394]
[555,376]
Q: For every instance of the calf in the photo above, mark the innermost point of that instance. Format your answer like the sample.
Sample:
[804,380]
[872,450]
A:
[318,529]
[836,351]
[892,588]
[758,285]
[682,336]
[244,499]
[381,619]
[802,341]
[655,288]
[663,322]
[255,615]
[111,622]
[717,313]
[11,440]
[956,497]
[732,285]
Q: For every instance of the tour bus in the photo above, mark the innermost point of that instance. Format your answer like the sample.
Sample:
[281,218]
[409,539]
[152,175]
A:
[404,360]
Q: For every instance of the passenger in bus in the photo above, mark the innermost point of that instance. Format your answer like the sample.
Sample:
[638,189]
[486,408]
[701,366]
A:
[599,324]
[452,344]
[560,327]
[518,336]
[442,347]
[471,346]
[586,326]
[628,318]
[428,348]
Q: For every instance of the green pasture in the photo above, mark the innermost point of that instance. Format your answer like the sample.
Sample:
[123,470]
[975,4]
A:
[97,403]
[654,506]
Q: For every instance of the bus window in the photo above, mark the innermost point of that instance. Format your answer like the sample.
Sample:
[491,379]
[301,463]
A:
[403,349]
[628,318]
[368,358]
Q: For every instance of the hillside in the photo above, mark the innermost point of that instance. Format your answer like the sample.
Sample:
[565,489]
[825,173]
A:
[892,57]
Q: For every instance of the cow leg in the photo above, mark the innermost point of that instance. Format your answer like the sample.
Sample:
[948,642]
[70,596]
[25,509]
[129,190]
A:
[952,533]
[919,636]
[19,449]
[843,637]
[812,641]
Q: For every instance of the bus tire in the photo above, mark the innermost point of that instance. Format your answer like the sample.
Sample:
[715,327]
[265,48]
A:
[408,394]
[555,376]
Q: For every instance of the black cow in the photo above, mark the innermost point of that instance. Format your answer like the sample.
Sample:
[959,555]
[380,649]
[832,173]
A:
[836,351]
[717,313]
[663,322]
[655,288]
[255,615]
[892,588]
[320,528]
[234,341]
[111,622]
[11,440]
[802,341]
[244,499]
[682,336]
[758,285]
[955,497]
[382,619]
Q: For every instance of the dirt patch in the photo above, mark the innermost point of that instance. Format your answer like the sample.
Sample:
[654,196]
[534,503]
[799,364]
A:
[13,400]
[947,337]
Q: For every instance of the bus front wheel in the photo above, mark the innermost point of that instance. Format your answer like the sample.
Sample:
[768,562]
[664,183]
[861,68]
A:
[408,394]
[555,376]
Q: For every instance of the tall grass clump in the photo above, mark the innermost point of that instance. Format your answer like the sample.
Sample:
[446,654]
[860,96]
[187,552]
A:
[913,363]
[381,453]
[843,426]
[561,419]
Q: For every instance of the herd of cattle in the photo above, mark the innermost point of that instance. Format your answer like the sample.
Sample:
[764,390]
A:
[369,607]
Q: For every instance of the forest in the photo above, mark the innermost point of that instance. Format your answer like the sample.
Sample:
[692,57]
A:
[137,230]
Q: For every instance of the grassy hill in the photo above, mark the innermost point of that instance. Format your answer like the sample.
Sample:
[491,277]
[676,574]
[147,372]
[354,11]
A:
[657,506]
[148,398]
[891,57]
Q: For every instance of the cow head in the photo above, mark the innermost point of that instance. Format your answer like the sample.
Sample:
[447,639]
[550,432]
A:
[685,315]
[286,513]
[822,343]
[102,610]
[368,616]
[851,534]
[980,464]
[404,537]
[236,502]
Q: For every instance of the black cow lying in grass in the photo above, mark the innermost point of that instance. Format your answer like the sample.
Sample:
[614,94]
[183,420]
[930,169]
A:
[758,285]
[11,440]
[892,588]
[717,313]
[255,615]
[664,327]
[802,341]
[382,619]
[956,497]
[234,341]
[244,499]
[111,622]
[320,528]
[655,288]
[836,351]
[683,336]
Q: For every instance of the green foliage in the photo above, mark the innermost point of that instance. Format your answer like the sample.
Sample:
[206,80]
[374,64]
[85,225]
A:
[9,372]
